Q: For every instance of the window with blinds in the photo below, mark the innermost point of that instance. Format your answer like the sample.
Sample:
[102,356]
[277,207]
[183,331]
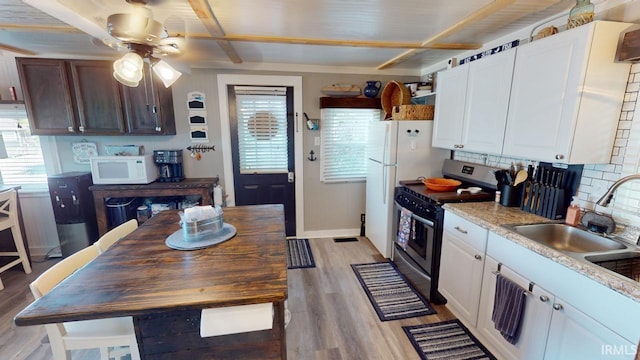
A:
[343,145]
[21,159]
[262,129]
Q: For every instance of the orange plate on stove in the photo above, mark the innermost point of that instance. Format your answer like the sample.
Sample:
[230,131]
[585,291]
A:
[441,184]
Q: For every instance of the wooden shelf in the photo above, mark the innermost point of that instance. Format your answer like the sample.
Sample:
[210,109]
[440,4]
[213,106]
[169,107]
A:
[11,102]
[350,102]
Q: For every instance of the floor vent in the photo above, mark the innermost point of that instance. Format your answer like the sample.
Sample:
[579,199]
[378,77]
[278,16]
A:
[345,239]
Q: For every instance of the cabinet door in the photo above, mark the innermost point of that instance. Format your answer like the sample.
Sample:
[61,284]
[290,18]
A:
[535,320]
[545,96]
[97,97]
[47,96]
[149,108]
[450,105]
[574,335]
[488,90]
[461,277]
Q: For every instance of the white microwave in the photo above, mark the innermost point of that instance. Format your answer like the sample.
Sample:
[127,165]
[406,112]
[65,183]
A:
[123,169]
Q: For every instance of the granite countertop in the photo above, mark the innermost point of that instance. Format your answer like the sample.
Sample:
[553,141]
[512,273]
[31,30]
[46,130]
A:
[491,216]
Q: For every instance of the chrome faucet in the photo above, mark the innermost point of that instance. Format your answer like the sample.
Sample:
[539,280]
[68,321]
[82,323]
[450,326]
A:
[606,198]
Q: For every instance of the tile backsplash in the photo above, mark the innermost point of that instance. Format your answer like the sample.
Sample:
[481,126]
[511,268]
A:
[597,178]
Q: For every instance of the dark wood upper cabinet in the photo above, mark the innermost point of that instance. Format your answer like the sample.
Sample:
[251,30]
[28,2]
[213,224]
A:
[47,96]
[97,94]
[149,108]
[81,97]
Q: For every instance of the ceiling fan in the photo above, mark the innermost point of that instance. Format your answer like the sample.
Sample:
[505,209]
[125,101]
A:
[144,39]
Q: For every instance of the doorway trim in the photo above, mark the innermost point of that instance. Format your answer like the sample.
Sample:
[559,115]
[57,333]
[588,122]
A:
[225,133]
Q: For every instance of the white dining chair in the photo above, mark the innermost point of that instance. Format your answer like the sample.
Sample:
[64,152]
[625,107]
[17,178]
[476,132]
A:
[9,219]
[115,234]
[110,335]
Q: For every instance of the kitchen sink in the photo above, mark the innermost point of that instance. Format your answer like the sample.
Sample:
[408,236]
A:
[625,263]
[567,238]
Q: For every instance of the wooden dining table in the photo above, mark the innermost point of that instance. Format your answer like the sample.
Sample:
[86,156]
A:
[165,290]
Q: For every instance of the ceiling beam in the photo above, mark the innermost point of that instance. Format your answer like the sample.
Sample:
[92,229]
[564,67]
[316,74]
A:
[481,14]
[42,28]
[202,9]
[336,42]
[17,50]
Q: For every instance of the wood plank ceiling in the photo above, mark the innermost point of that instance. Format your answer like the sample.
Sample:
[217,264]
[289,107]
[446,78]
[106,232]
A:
[375,34]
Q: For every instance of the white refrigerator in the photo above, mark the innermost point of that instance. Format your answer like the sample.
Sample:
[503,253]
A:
[396,150]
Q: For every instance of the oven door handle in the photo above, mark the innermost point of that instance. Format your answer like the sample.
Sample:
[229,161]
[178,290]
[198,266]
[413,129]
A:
[421,219]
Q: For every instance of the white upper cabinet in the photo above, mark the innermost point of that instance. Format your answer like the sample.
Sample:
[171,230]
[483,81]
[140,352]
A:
[566,96]
[472,103]
[450,107]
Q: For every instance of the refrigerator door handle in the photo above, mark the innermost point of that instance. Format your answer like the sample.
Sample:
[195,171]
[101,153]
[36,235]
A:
[385,149]
[384,184]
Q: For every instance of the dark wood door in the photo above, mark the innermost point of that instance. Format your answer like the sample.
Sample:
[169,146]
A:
[97,97]
[270,181]
[149,108]
[47,96]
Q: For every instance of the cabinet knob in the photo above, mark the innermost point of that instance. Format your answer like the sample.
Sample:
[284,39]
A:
[478,257]
[461,146]
[70,128]
[544,298]
[461,230]
[559,157]
[81,128]
[557,306]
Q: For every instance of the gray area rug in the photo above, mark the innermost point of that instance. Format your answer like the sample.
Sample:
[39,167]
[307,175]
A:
[390,294]
[446,340]
[299,254]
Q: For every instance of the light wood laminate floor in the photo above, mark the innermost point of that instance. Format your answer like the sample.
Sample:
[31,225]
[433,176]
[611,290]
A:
[332,318]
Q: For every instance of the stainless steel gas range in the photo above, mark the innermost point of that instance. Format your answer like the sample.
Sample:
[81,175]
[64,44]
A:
[419,262]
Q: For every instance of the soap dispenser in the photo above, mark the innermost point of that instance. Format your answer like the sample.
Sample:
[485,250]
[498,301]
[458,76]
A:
[573,214]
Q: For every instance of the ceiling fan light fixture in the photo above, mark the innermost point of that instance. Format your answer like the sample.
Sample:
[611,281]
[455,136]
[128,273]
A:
[128,69]
[165,72]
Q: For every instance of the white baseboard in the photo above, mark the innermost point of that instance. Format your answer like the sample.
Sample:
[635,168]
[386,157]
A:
[330,233]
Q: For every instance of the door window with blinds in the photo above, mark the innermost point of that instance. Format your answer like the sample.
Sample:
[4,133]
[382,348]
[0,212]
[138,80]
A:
[21,160]
[344,142]
[262,129]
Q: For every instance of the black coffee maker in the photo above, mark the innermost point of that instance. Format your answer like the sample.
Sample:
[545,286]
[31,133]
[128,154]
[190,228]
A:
[169,164]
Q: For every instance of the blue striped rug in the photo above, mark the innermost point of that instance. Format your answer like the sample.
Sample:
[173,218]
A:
[299,255]
[390,294]
[446,340]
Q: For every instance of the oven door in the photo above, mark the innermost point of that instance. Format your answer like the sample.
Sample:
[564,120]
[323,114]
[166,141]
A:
[421,243]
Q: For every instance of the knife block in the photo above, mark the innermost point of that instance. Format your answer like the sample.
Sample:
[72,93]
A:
[549,193]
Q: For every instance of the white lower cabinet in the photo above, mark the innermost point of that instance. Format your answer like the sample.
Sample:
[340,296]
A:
[574,335]
[559,320]
[535,320]
[461,264]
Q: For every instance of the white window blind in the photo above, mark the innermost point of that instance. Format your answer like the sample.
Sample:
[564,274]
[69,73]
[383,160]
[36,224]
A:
[21,159]
[262,129]
[344,141]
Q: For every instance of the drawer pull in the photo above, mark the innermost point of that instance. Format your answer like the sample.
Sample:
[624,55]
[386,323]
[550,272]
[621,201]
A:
[557,307]
[461,230]
[544,298]
[478,257]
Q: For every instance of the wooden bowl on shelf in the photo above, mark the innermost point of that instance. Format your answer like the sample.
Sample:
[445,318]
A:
[441,184]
